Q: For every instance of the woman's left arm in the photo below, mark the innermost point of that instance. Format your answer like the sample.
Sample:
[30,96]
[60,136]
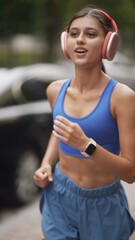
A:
[124,102]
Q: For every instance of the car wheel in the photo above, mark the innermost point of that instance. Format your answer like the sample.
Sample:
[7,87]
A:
[25,189]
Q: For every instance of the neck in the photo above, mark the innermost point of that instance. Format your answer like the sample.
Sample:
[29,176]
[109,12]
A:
[86,79]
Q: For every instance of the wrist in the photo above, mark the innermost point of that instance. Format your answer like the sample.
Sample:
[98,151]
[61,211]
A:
[45,164]
[84,142]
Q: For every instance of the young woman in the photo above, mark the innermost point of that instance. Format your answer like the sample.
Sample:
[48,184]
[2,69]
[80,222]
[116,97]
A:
[93,138]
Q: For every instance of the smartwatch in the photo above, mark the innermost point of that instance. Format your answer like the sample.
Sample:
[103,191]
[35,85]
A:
[89,149]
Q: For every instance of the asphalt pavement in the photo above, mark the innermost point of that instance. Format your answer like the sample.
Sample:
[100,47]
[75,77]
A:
[24,224]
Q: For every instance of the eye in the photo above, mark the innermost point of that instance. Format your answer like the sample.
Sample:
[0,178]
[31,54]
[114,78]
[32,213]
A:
[73,34]
[91,34]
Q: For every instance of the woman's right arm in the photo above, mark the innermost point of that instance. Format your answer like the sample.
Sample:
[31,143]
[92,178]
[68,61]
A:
[43,175]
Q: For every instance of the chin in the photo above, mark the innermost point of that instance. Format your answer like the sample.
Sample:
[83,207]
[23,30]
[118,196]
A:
[81,62]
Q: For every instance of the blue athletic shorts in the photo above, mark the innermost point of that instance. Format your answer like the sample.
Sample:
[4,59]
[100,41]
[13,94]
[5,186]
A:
[73,213]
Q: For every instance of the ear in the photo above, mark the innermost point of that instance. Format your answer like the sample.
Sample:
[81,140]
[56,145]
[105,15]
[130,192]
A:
[64,46]
[110,45]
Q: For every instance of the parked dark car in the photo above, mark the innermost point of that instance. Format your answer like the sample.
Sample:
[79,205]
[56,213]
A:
[25,127]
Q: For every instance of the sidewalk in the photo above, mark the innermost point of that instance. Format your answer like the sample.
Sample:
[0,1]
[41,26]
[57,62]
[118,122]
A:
[23,225]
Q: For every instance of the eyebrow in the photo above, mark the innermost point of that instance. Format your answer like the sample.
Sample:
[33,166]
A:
[87,28]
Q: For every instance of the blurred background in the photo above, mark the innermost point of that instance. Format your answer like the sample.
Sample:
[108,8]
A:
[30,29]
[30,58]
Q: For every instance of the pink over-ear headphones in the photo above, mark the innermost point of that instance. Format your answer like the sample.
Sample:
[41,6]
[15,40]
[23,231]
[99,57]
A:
[110,44]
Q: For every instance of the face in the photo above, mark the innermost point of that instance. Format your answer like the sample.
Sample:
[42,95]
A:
[85,40]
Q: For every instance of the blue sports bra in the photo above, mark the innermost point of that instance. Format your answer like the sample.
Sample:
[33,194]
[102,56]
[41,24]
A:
[98,124]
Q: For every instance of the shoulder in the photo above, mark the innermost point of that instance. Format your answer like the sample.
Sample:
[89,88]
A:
[123,92]
[123,98]
[53,89]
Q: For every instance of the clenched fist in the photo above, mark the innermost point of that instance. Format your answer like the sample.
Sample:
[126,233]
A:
[43,176]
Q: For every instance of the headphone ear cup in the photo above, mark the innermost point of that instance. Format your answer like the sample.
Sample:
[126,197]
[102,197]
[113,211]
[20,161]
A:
[64,47]
[110,45]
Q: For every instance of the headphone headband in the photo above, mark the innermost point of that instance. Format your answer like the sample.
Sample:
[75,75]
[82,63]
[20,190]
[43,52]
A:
[115,27]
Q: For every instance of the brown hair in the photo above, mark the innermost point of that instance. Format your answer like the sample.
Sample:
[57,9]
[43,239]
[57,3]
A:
[104,21]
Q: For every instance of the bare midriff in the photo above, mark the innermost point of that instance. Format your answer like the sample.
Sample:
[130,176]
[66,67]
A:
[84,172]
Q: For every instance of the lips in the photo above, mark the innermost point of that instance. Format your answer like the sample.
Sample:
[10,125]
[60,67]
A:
[80,50]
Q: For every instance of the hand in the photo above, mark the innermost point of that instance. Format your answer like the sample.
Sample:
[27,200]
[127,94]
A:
[70,133]
[43,176]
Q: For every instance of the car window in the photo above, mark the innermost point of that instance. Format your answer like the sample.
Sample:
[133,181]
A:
[29,90]
[34,89]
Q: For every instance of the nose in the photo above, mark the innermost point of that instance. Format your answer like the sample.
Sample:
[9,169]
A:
[81,39]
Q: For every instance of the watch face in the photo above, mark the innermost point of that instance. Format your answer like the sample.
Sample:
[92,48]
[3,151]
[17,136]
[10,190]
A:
[90,149]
